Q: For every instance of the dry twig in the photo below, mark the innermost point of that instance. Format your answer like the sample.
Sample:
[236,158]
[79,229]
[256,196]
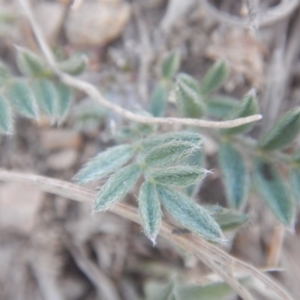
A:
[94,93]
[271,16]
[195,245]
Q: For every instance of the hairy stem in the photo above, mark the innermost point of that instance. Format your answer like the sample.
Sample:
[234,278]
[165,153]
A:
[94,93]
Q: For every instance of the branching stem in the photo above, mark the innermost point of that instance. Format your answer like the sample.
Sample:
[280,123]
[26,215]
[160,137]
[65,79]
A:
[94,93]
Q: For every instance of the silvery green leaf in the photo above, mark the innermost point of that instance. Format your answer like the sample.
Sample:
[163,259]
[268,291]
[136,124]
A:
[150,211]
[117,186]
[219,107]
[190,214]
[282,133]
[247,107]
[160,291]
[168,154]
[183,136]
[6,117]
[46,96]
[105,163]
[196,159]
[170,65]
[22,98]
[272,188]
[296,157]
[30,63]
[178,175]
[215,77]
[75,65]
[226,218]
[235,174]
[4,74]
[295,183]
[158,101]
[65,97]
[213,291]
[189,81]
[188,100]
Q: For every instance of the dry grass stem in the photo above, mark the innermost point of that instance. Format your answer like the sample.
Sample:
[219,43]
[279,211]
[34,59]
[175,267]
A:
[211,254]
[94,93]
[271,16]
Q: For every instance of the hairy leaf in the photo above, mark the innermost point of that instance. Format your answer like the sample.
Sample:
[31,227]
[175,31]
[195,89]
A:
[171,65]
[117,186]
[105,163]
[183,136]
[159,100]
[179,175]
[247,107]
[75,65]
[214,78]
[4,74]
[188,100]
[273,190]
[190,214]
[161,291]
[295,183]
[235,174]
[169,153]
[65,97]
[219,107]
[30,63]
[150,211]
[189,81]
[283,133]
[6,117]
[46,96]
[213,291]
[22,98]
[296,157]
[226,218]
[196,159]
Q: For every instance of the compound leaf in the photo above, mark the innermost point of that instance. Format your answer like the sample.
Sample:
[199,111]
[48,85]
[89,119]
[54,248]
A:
[6,117]
[150,211]
[179,175]
[273,190]
[22,98]
[105,163]
[117,186]
[215,77]
[235,174]
[283,133]
[190,214]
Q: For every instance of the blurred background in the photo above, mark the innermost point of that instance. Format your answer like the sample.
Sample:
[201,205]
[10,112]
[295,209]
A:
[52,248]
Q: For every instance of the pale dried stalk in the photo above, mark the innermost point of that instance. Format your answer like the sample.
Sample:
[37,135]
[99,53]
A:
[211,254]
[94,93]
[271,16]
